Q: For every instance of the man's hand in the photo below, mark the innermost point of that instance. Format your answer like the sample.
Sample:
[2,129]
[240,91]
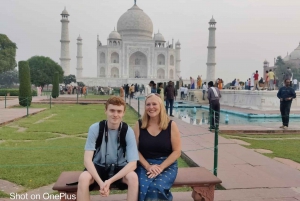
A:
[106,191]
[102,191]
[288,99]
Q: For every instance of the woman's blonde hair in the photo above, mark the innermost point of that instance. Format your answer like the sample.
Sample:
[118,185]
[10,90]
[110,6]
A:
[163,117]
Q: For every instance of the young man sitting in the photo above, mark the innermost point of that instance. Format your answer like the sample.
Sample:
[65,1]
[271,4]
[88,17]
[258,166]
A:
[106,162]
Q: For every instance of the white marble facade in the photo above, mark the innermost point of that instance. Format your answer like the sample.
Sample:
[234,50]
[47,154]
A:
[134,55]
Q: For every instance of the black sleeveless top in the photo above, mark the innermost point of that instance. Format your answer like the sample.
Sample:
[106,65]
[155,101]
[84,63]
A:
[152,147]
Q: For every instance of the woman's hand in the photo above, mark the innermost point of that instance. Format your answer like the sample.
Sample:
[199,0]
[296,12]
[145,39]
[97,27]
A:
[153,171]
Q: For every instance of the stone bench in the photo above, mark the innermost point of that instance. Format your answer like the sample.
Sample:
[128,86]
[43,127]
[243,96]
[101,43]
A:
[198,178]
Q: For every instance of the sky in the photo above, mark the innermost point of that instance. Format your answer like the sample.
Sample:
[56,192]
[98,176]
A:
[248,31]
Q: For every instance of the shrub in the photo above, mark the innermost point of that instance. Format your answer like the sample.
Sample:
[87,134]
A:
[25,85]
[55,89]
[14,92]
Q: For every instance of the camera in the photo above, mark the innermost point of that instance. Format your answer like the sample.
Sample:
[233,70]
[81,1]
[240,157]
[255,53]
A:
[111,170]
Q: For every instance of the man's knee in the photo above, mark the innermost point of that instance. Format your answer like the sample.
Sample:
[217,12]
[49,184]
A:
[131,179]
[85,179]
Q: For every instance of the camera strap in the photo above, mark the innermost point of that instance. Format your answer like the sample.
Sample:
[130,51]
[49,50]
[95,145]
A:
[106,140]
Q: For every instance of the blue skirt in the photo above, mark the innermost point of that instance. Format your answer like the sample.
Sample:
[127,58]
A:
[157,188]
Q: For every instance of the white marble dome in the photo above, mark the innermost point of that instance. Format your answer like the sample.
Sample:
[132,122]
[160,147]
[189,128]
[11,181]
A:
[114,35]
[135,24]
[295,54]
[159,37]
[65,12]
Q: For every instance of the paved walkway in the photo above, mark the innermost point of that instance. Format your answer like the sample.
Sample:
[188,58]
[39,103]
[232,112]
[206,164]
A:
[9,114]
[246,175]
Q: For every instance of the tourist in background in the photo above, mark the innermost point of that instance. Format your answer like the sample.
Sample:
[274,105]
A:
[267,80]
[256,84]
[286,94]
[295,84]
[153,89]
[181,93]
[233,82]
[159,146]
[204,89]
[213,96]
[170,94]
[237,85]
[252,81]
[160,91]
[192,83]
[121,92]
[271,76]
[148,88]
[199,82]
[131,90]
[126,90]
[185,92]
[220,84]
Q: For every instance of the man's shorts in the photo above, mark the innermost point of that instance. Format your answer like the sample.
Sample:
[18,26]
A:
[104,176]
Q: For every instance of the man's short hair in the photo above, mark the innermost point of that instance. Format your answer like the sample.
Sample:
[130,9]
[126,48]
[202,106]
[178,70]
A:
[257,71]
[270,70]
[210,83]
[152,82]
[115,100]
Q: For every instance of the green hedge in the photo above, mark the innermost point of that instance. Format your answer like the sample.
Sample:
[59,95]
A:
[25,84]
[55,89]
[14,92]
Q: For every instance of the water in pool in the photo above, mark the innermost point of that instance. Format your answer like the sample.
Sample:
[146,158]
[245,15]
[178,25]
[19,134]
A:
[201,116]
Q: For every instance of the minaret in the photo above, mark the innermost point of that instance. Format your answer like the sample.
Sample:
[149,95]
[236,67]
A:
[64,50]
[211,62]
[178,60]
[79,58]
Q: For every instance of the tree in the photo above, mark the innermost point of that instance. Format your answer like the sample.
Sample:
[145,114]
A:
[7,54]
[9,78]
[42,70]
[69,79]
[25,95]
[81,84]
[279,71]
[55,86]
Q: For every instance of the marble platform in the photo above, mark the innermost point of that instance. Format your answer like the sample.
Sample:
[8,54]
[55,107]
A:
[256,100]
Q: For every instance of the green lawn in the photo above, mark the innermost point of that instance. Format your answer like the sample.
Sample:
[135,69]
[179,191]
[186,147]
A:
[35,150]
[282,146]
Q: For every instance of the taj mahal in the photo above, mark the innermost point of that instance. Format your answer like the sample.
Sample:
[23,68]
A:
[132,53]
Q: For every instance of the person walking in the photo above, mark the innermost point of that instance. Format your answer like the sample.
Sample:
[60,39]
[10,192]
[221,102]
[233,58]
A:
[267,80]
[213,96]
[121,92]
[148,88]
[295,84]
[204,89]
[286,94]
[199,82]
[170,93]
[271,76]
[256,81]
[185,92]
[192,83]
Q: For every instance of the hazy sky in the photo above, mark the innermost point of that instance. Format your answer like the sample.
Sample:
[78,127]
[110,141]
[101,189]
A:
[248,31]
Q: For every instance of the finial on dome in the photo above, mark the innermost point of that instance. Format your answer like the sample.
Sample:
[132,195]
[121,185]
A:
[114,28]
[134,2]
[158,31]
